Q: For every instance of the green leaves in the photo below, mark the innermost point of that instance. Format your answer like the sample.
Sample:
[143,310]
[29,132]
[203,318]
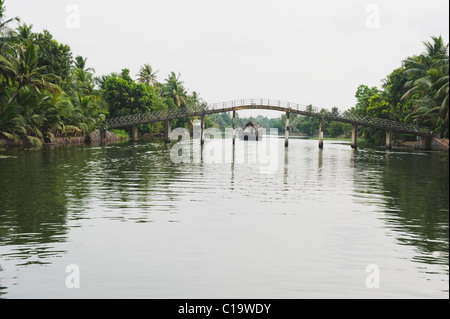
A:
[428,86]
[174,90]
[44,92]
[147,76]
[23,71]
[127,97]
[417,91]
[56,58]
[4,23]
[32,105]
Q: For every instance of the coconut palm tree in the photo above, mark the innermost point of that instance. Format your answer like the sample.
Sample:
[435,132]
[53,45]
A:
[82,78]
[4,23]
[429,85]
[88,111]
[6,34]
[23,70]
[80,63]
[147,76]
[24,33]
[435,50]
[174,89]
[12,122]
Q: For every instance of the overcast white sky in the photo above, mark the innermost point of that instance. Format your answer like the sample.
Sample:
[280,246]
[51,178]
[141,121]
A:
[308,52]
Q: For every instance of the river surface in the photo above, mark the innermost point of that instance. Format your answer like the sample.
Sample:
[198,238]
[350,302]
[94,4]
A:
[127,221]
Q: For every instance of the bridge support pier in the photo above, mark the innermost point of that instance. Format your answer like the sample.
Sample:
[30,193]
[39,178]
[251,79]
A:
[321,133]
[425,142]
[134,133]
[234,127]
[388,140]
[286,129]
[354,136]
[168,131]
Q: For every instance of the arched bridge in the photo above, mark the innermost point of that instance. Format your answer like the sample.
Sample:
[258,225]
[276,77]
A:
[265,104]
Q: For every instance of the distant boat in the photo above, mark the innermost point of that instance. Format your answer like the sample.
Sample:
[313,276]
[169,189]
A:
[251,132]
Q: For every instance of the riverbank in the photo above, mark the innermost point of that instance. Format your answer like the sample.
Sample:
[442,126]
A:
[437,144]
[111,138]
[342,139]
[93,138]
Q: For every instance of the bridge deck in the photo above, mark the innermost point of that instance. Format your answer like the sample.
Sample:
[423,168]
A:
[264,104]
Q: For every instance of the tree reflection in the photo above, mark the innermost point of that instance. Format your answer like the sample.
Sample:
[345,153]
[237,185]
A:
[415,190]
[420,188]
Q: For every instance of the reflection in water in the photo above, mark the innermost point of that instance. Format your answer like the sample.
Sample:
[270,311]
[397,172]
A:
[286,166]
[233,159]
[320,161]
[423,223]
[130,204]
[412,191]
[34,195]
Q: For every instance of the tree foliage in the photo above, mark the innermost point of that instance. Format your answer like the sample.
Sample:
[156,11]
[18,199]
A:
[42,94]
[415,92]
[125,97]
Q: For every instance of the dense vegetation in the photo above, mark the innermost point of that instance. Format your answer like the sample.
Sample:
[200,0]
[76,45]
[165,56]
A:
[43,91]
[47,92]
[415,92]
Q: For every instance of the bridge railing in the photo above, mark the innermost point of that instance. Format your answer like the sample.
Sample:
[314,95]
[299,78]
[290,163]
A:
[256,102]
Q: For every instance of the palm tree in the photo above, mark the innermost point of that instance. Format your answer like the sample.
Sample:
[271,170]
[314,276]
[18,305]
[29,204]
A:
[12,122]
[3,24]
[23,70]
[80,63]
[82,78]
[174,90]
[195,101]
[6,34]
[429,85]
[147,76]
[28,119]
[101,80]
[24,33]
[5,66]
[88,111]
[436,49]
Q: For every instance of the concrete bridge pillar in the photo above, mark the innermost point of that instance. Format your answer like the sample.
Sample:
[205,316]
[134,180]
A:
[168,131]
[134,133]
[425,142]
[286,129]
[388,140]
[234,127]
[354,136]
[321,133]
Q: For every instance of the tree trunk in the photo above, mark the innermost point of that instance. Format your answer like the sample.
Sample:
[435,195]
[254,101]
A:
[14,95]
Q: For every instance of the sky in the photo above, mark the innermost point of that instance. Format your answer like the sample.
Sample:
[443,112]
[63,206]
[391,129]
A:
[306,52]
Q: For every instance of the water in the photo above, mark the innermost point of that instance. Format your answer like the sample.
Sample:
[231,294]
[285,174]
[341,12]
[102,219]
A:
[139,226]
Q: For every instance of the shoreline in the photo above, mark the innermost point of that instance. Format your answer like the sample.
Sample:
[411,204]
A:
[437,144]
[94,138]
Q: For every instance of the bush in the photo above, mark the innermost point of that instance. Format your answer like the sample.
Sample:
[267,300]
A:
[121,134]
